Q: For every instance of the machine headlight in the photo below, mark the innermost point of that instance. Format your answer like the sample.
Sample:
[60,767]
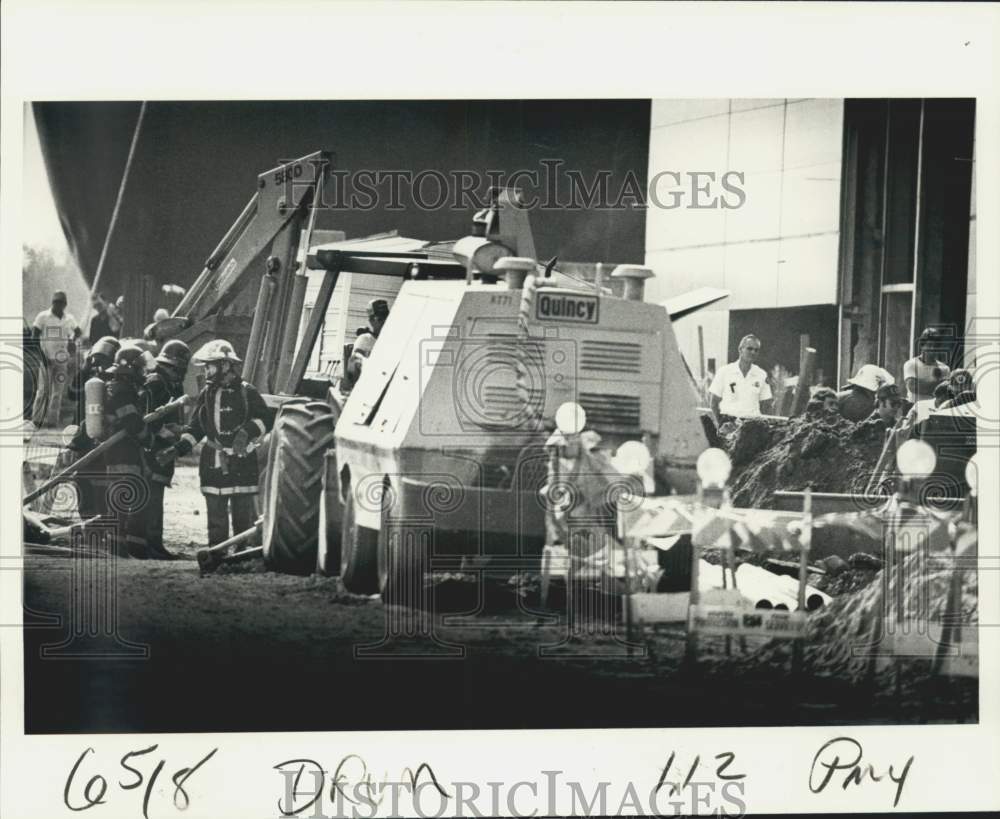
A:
[570,418]
[632,458]
[714,467]
[915,459]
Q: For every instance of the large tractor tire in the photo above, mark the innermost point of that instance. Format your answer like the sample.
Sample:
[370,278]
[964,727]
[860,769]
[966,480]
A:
[303,432]
[330,514]
[358,550]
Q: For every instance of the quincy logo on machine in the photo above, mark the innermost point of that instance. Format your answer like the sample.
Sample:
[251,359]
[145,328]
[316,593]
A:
[564,307]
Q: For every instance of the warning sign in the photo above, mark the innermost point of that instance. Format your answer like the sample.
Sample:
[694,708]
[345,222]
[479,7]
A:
[744,621]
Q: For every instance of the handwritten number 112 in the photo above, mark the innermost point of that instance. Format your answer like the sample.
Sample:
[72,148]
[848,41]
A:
[726,757]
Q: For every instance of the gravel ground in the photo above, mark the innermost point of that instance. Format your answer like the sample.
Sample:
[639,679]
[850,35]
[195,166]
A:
[251,650]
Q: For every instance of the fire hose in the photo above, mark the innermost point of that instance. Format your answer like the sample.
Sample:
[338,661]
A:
[70,472]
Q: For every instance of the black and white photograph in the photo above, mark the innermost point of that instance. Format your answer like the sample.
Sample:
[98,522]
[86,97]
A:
[475,413]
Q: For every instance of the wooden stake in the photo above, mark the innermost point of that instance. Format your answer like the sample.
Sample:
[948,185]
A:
[691,645]
[806,542]
[701,352]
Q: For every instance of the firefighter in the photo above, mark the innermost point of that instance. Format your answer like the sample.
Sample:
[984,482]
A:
[128,492]
[99,360]
[231,417]
[163,385]
[91,487]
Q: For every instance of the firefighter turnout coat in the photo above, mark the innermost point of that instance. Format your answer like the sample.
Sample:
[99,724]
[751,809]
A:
[161,389]
[122,411]
[221,411]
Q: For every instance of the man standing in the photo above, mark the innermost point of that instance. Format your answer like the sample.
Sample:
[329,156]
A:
[231,417]
[91,485]
[740,388]
[162,386]
[923,372]
[99,360]
[56,331]
[102,323]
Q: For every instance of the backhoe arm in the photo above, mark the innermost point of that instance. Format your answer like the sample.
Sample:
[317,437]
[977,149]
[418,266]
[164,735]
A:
[281,194]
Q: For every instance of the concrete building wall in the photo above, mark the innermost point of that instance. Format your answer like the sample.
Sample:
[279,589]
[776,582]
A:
[779,249]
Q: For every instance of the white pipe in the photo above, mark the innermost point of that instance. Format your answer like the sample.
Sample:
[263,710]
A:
[815,599]
[761,588]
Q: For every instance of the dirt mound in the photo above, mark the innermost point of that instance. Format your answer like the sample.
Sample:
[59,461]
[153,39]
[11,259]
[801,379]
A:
[829,452]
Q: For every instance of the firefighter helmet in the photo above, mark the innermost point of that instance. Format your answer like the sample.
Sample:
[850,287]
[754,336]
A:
[130,362]
[107,346]
[216,350]
[175,353]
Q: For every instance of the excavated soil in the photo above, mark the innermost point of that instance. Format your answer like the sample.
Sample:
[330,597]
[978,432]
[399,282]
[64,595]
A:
[843,636]
[830,453]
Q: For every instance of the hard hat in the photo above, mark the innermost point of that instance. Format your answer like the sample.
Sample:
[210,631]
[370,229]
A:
[130,360]
[106,345]
[161,314]
[871,377]
[216,350]
[175,353]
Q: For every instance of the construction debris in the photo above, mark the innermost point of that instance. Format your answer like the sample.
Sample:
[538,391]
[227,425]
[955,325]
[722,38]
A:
[836,630]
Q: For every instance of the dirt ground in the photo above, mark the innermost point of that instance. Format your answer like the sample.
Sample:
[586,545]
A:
[249,650]
[184,530]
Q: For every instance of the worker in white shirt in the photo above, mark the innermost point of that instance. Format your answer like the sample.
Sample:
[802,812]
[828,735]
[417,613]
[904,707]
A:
[55,331]
[740,389]
[923,372]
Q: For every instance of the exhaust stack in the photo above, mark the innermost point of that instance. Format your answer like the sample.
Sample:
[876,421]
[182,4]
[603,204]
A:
[635,280]
[515,270]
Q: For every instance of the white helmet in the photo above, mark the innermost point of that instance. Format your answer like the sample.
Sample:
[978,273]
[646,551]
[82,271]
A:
[871,377]
[216,350]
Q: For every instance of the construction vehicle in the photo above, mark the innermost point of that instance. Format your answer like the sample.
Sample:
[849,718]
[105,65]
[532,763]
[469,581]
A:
[438,451]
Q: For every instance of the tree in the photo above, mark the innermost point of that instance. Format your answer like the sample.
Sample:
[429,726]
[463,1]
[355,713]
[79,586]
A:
[44,271]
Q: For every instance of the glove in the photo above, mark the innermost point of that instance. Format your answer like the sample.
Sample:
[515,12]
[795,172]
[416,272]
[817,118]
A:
[165,456]
[240,441]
